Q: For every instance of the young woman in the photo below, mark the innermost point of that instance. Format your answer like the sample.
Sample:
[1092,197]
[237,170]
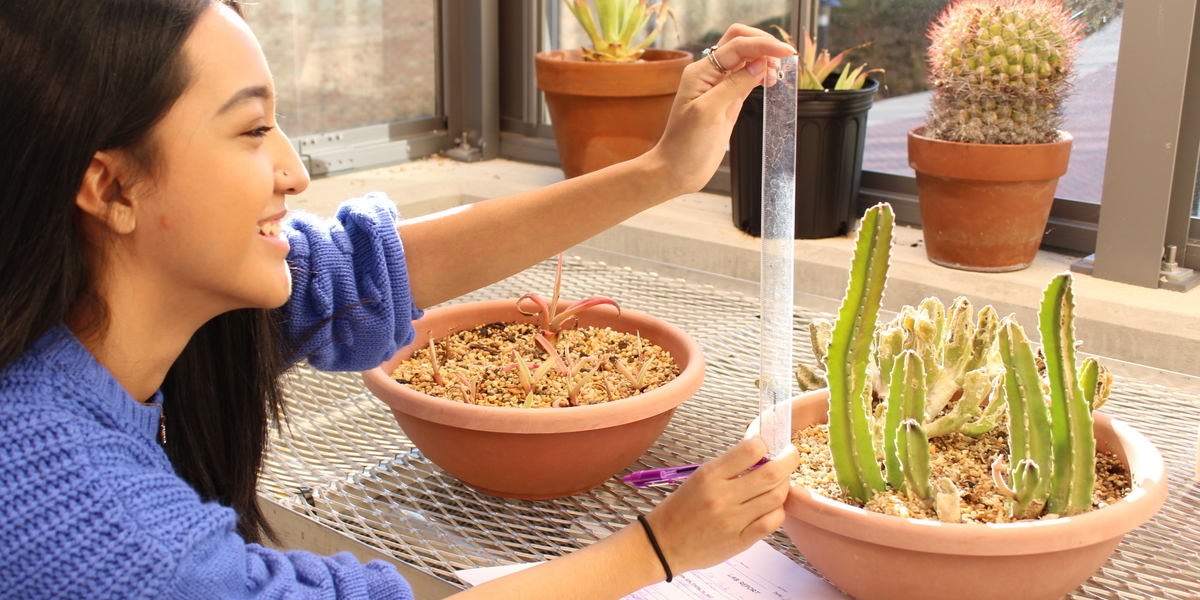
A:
[153,287]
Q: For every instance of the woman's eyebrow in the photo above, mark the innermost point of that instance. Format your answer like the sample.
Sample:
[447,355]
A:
[244,94]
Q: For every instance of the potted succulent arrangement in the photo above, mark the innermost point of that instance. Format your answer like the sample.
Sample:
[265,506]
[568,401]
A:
[831,130]
[537,399]
[610,103]
[989,157]
[946,457]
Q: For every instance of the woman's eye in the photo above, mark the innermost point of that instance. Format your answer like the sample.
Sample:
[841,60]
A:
[260,132]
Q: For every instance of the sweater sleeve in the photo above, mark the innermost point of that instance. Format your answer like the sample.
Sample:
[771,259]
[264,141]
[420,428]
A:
[91,512]
[351,307]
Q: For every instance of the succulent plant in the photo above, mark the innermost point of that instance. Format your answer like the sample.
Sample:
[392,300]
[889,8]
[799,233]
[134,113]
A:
[1052,450]
[552,320]
[614,24]
[816,67]
[1001,71]
[931,372]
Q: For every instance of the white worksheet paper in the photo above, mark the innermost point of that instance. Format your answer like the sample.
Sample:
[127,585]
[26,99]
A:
[761,573]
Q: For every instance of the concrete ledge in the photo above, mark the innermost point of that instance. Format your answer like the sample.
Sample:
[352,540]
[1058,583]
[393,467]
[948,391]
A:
[1150,327]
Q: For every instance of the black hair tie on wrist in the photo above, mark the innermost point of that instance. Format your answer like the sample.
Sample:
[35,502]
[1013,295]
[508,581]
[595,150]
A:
[657,549]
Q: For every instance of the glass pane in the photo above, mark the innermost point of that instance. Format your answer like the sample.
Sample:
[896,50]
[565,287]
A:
[697,25]
[1196,196]
[891,24]
[340,64]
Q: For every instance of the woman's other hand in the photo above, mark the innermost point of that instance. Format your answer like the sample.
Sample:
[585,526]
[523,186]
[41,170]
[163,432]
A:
[722,508]
[707,105]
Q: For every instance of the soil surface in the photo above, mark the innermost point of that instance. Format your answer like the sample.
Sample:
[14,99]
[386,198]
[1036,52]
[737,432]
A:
[483,356]
[966,461]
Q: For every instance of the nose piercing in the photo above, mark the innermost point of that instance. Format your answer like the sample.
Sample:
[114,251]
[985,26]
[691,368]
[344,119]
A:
[285,173]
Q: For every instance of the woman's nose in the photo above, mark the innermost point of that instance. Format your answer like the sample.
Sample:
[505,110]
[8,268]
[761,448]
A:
[291,174]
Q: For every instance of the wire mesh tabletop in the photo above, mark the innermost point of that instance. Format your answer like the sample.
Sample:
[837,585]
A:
[342,460]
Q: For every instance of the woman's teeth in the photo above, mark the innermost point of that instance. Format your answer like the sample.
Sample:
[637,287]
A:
[269,229]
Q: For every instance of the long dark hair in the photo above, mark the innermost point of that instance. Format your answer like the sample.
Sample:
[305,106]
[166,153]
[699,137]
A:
[81,77]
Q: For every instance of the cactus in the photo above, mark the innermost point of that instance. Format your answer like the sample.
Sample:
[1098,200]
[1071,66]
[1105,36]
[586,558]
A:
[1001,71]
[918,362]
[954,350]
[905,363]
[850,440]
[1052,447]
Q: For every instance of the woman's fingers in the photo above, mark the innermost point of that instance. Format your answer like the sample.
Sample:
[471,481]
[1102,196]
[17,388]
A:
[737,460]
[734,54]
[707,104]
[724,507]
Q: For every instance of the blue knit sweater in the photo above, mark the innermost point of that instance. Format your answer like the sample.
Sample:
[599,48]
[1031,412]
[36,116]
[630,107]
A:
[90,507]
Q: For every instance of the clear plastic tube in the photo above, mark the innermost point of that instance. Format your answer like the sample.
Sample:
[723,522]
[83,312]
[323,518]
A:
[778,248]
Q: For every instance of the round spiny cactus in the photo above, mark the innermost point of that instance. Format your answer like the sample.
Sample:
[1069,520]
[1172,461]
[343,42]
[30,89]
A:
[1000,71]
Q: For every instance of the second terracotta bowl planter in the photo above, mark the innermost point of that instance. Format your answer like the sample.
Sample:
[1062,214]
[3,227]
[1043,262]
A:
[537,453]
[872,556]
[984,207]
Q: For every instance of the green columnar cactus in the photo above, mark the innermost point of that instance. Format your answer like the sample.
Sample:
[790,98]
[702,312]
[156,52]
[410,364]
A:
[1074,469]
[1028,423]
[1052,447]
[905,403]
[1096,381]
[914,366]
[1001,71]
[917,471]
[850,440]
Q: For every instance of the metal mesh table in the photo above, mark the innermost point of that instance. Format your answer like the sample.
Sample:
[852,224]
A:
[343,462]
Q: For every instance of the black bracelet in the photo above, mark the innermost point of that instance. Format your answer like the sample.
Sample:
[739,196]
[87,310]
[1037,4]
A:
[657,549]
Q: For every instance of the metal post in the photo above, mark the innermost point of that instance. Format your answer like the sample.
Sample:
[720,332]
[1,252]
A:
[1145,138]
[471,44]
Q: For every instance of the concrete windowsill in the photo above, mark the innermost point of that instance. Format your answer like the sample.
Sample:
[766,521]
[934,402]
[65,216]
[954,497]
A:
[1149,327]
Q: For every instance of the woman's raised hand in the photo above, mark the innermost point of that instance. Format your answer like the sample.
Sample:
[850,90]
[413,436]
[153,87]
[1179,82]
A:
[722,508]
[707,104]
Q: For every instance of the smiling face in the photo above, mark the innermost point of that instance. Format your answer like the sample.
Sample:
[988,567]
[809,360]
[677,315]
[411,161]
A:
[207,216]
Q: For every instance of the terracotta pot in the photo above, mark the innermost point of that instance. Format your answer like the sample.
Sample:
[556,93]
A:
[984,207]
[874,556]
[606,113]
[537,453]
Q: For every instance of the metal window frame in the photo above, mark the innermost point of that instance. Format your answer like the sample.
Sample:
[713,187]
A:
[1153,143]
[330,153]
[1150,170]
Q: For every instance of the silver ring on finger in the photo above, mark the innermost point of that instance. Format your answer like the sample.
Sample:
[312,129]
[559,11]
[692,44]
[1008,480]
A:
[711,53]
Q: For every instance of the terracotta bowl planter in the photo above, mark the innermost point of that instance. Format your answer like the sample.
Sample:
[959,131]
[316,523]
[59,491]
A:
[606,113]
[873,556]
[984,207]
[537,453]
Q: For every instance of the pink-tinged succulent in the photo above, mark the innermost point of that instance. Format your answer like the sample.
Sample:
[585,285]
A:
[553,321]
[638,379]
[437,372]
[574,389]
[528,378]
[552,353]
[467,386]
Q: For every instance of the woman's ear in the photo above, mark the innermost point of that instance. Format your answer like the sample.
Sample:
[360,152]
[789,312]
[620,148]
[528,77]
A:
[103,198]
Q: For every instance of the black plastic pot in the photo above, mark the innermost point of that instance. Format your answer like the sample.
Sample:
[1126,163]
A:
[831,131]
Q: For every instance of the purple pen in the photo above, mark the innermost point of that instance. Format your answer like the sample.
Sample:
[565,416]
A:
[670,475]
